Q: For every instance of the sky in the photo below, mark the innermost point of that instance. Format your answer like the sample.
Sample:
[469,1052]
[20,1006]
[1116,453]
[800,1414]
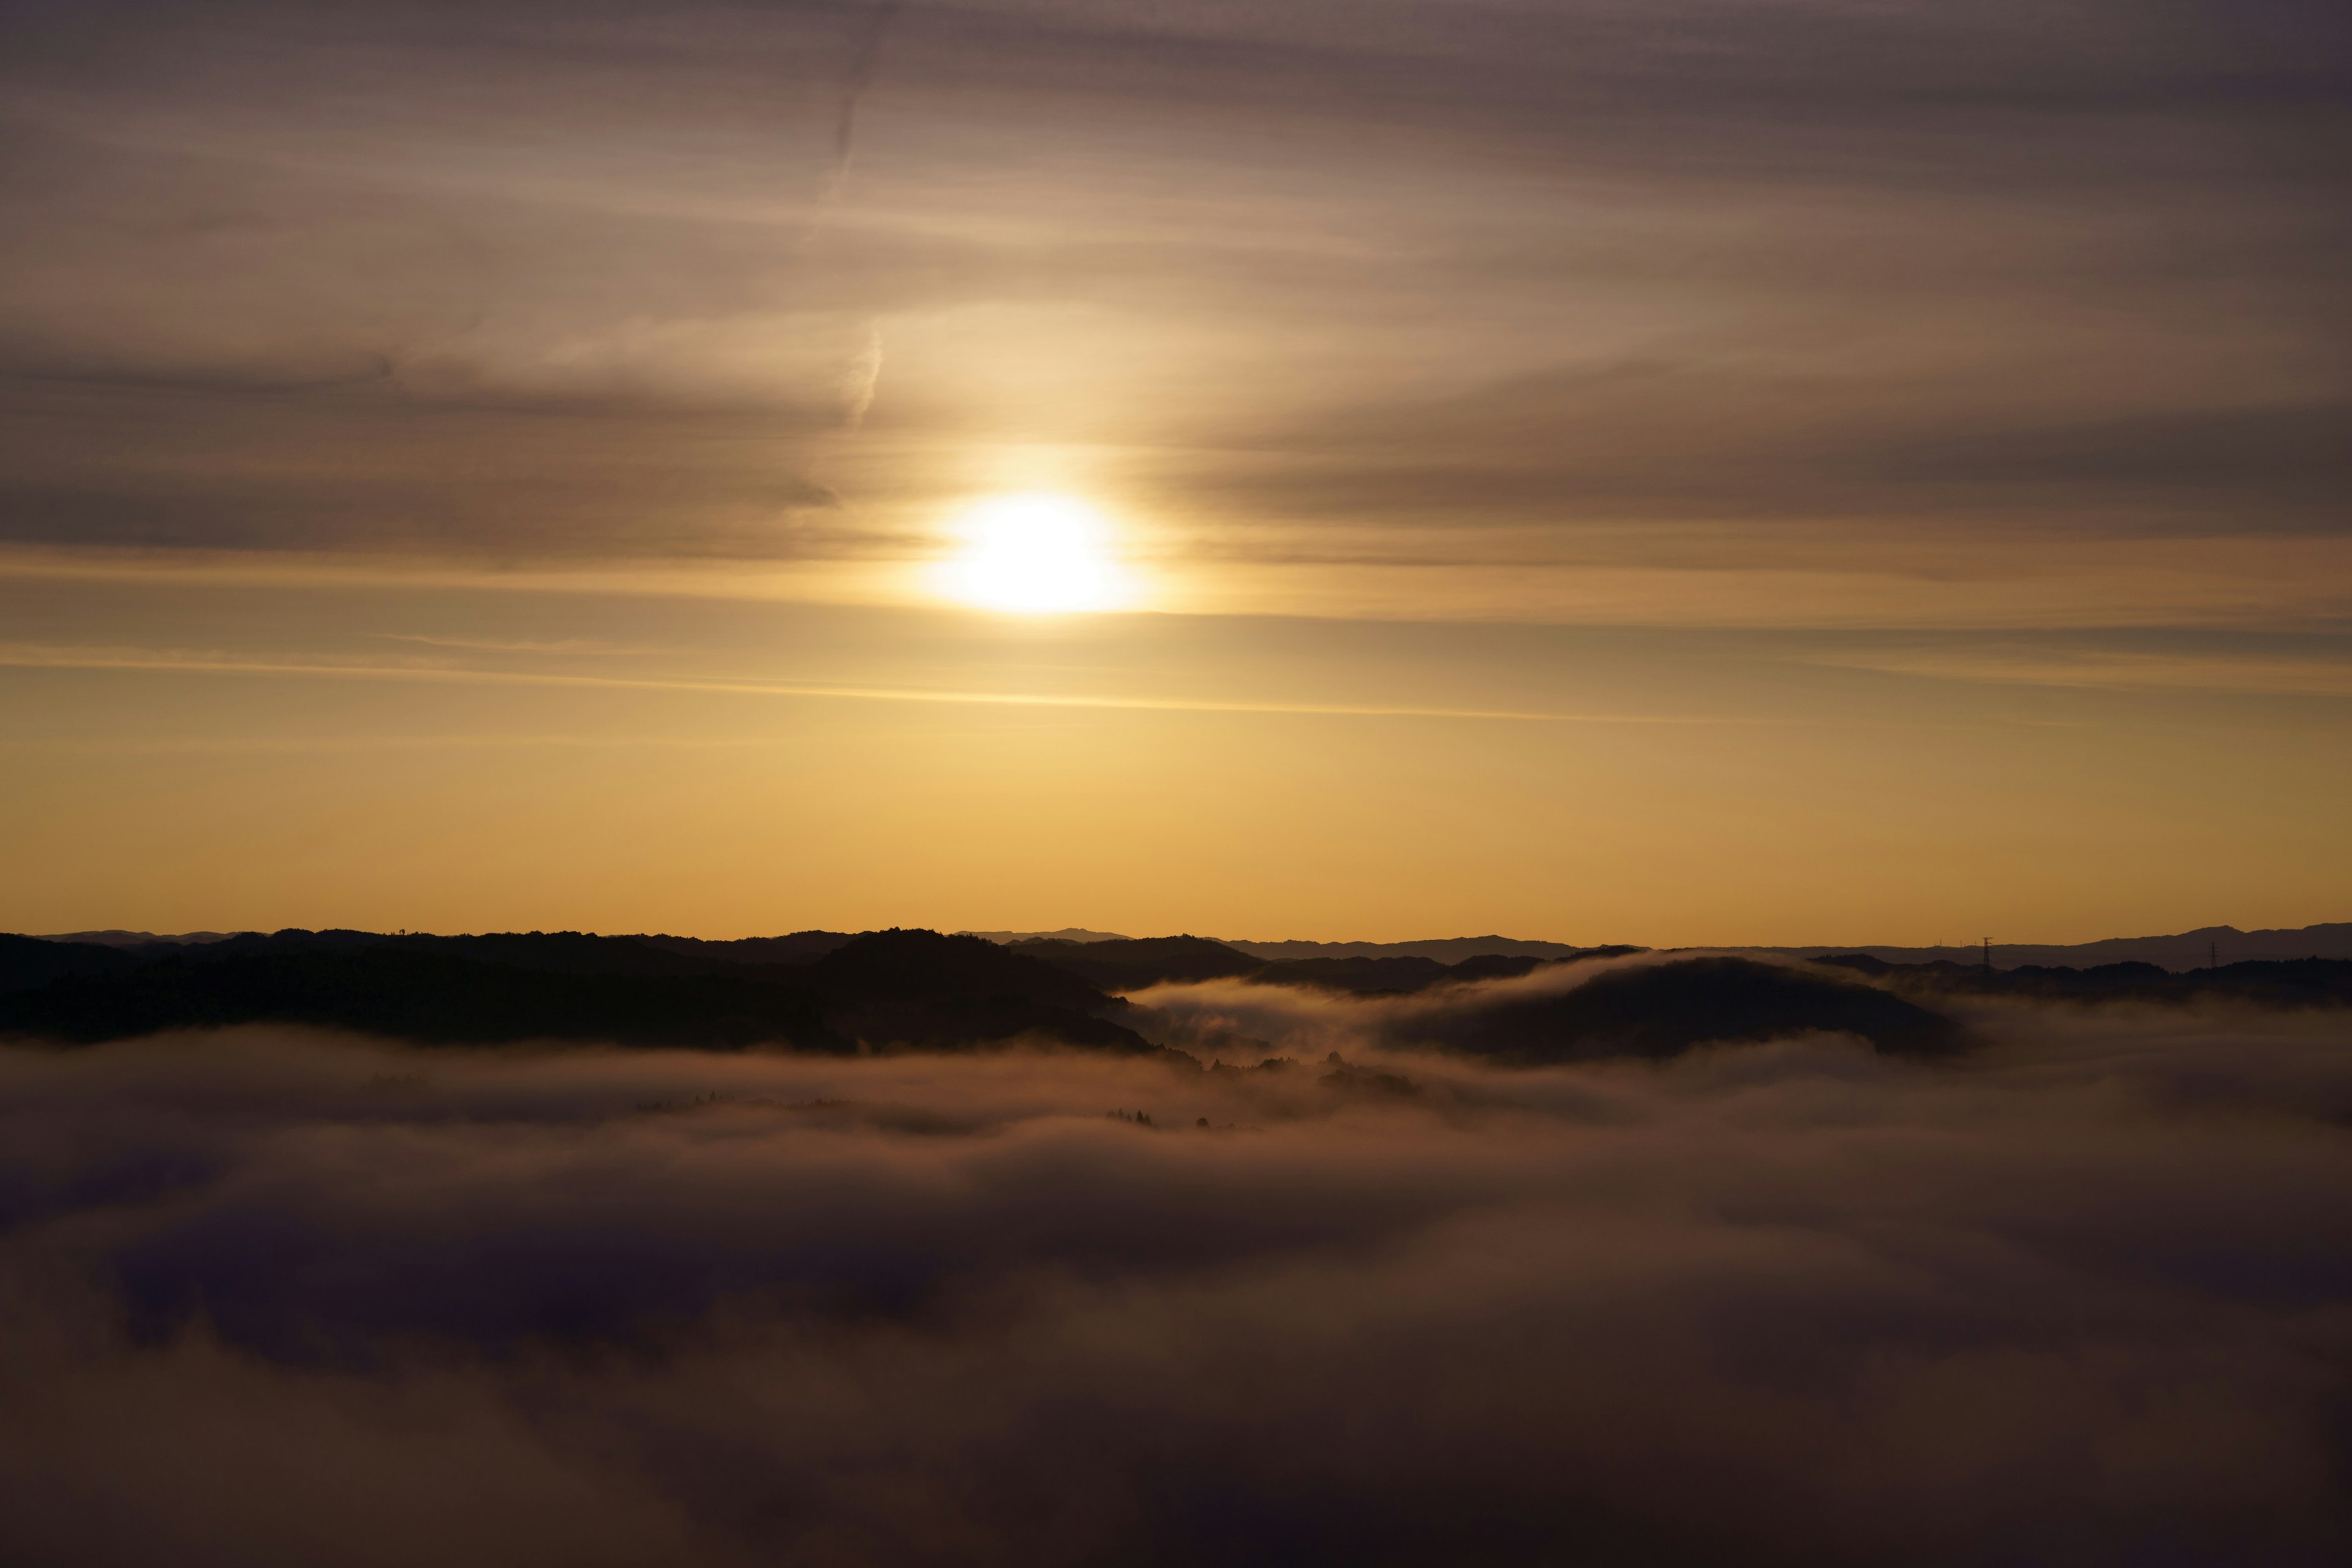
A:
[1670,472]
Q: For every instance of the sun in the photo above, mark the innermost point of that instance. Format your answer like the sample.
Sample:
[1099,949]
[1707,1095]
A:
[1035,554]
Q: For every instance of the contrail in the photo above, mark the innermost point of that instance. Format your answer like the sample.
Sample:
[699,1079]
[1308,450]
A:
[864,374]
[859,380]
[861,76]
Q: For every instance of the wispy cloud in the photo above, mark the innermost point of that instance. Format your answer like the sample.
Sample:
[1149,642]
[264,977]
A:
[539,285]
[492,644]
[20,656]
[2112,669]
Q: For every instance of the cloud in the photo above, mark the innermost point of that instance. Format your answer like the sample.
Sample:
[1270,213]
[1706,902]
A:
[23,657]
[527,282]
[276,1298]
[2122,670]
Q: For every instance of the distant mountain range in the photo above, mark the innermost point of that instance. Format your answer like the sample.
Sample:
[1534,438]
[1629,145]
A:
[2196,949]
[2187,950]
[814,991]
[1445,950]
[835,992]
[1068,933]
[141,938]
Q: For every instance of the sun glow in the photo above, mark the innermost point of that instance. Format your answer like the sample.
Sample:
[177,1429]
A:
[1036,554]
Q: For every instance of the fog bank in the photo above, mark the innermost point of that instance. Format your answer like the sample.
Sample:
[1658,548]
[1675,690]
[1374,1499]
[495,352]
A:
[2081,1295]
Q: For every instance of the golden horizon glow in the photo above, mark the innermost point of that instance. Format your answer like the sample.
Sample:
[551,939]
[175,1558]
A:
[1165,478]
[1035,553]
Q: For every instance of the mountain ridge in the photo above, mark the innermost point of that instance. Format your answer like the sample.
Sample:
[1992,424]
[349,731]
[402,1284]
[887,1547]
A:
[2178,951]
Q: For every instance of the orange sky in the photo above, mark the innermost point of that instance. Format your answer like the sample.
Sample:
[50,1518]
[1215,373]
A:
[1707,474]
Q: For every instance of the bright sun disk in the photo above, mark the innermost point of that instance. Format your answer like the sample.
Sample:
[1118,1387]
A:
[1035,554]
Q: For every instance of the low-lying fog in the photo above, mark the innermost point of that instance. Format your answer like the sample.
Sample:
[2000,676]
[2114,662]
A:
[2083,1294]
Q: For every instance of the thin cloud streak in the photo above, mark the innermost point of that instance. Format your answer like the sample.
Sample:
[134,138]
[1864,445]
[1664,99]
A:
[1724,578]
[1891,278]
[267,745]
[34,658]
[2114,671]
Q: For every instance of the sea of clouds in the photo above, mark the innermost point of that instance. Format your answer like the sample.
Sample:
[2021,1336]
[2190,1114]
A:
[2081,1295]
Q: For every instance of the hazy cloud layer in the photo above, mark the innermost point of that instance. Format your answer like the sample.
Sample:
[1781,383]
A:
[285,1300]
[615,280]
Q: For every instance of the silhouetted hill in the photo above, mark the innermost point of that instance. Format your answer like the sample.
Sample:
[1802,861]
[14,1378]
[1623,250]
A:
[566,952]
[1405,975]
[885,990]
[919,988]
[800,947]
[136,938]
[1445,950]
[1663,1009]
[2183,951]
[2296,983]
[249,944]
[31,960]
[1133,963]
[554,953]
[1127,963]
[1506,967]
[1364,976]
[1068,933]
[926,964]
[430,997]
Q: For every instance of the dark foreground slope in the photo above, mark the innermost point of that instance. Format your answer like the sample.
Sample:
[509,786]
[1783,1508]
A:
[886,989]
